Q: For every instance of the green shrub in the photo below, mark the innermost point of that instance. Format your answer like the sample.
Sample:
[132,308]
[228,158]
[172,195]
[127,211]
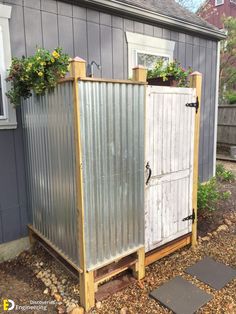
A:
[224,175]
[208,195]
[231,97]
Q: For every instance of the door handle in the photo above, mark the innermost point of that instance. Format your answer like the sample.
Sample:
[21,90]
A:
[150,172]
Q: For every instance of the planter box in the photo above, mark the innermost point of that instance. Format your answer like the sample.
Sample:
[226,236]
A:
[158,81]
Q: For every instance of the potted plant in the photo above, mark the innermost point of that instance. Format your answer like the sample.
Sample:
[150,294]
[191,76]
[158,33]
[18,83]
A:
[171,74]
[36,73]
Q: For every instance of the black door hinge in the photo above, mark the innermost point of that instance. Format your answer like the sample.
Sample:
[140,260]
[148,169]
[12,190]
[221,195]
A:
[190,217]
[193,105]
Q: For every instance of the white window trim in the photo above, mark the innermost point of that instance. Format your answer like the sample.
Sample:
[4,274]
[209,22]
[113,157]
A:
[216,4]
[233,1]
[147,44]
[8,121]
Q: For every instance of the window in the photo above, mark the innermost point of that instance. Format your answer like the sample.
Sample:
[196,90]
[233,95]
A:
[149,59]
[219,2]
[7,112]
[233,1]
[146,50]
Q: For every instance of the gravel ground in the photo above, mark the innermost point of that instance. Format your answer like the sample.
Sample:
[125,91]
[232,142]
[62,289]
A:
[36,275]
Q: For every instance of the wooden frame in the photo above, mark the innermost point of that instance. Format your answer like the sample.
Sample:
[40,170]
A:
[196,82]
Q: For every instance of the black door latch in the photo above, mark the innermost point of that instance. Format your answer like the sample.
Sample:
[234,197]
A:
[150,172]
[194,104]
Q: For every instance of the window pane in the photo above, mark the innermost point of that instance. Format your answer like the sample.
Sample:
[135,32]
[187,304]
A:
[149,60]
[1,98]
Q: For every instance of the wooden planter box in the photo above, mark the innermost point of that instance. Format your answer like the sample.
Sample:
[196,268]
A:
[158,81]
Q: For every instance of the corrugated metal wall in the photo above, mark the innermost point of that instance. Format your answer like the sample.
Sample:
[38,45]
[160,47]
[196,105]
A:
[112,132]
[50,160]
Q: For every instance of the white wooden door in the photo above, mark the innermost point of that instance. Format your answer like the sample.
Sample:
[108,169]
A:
[169,152]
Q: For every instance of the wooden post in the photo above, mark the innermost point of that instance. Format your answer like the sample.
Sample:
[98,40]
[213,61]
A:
[139,267]
[196,82]
[32,239]
[87,296]
[77,67]
[140,74]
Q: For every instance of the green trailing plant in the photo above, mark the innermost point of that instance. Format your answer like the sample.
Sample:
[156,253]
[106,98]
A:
[36,73]
[224,175]
[173,69]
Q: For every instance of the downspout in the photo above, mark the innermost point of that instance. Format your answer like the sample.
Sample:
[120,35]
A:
[216,105]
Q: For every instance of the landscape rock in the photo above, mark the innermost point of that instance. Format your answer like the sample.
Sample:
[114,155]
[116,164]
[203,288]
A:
[46,291]
[223,228]
[77,310]
[124,310]
[98,305]
[57,297]
[61,310]
[228,222]
[206,238]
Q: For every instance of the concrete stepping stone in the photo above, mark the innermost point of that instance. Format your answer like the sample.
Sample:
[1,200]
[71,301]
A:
[180,296]
[212,273]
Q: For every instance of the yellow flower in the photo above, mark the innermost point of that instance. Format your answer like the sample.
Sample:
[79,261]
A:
[38,58]
[42,63]
[30,65]
[55,54]
[40,73]
[52,60]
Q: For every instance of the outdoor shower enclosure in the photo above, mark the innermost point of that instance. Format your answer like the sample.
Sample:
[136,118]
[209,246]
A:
[88,191]
[84,154]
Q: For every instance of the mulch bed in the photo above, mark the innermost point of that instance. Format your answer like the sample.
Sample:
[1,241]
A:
[22,278]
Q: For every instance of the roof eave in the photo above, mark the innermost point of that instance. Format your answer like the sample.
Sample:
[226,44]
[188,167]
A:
[156,17]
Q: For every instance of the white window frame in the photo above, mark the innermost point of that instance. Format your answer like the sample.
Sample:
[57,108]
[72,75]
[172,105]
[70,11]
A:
[233,1]
[216,2]
[147,44]
[8,119]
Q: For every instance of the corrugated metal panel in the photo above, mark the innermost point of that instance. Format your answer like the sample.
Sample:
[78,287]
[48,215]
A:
[112,131]
[50,154]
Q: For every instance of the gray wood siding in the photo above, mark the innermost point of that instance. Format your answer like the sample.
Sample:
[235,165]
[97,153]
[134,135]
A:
[95,36]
